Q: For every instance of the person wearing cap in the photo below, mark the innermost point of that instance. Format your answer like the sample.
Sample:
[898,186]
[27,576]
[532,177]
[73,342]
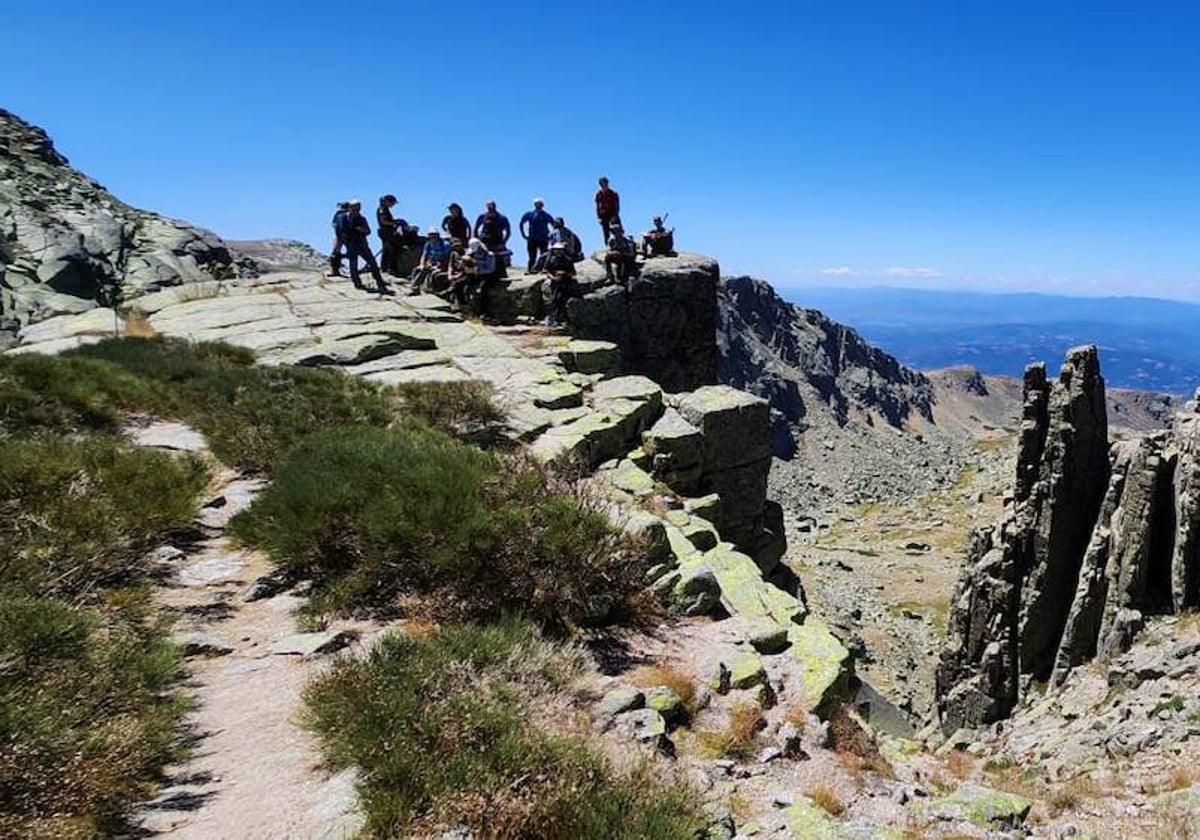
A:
[535,227]
[562,233]
[455,223]
[560,265]
[478,270]
[335,256]
[354,232]
[608,208]
[435,253]
[621,255]
[492,228]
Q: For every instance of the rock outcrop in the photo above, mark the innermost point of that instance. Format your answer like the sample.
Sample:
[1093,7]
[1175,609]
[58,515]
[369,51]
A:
[66,244]
[1097,538]
[664,320]
[804,364]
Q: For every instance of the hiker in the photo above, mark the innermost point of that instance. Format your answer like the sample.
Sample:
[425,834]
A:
[535,227]
[608,208]
[560,265]
[492,228]
[621,254]
[354,232]
[335,256]
[478,272]
[565,235]
[389,234]
[659,242]
[455,224]
[435,254]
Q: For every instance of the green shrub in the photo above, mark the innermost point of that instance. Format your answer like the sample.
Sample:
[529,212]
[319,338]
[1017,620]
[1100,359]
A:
[77,515]
[251,415]
[51,394]
[437,726]
[86,719]
[462,409]
[372,514]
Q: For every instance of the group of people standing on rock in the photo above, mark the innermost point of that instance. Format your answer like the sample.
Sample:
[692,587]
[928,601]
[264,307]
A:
[470,258]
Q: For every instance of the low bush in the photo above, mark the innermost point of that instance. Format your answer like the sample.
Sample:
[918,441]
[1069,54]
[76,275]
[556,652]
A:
[439,728]
[86,718]
[462,409]
[372,514]
[47,394]
[77,516]
[251,415]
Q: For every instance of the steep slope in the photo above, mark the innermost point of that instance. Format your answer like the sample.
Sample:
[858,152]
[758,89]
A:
[807,365]
[67,244]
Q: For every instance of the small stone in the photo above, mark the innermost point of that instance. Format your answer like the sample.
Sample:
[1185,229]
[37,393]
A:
[769,754]
[721,677]
[310,644]
[667,703]
[747,671]
[622,699]
[769,638]
[784,799]
[203,644]
[643,724]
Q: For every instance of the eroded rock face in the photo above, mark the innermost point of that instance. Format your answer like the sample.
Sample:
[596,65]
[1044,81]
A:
[1098,538]
[66,243]
[665,321]
[800,361]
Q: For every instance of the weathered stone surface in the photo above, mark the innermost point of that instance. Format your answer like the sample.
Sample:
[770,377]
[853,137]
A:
[310,644]
[581,356]
[665,322]
[984,807]
[676,449]
[1098,538]
[65,240]
[621,699]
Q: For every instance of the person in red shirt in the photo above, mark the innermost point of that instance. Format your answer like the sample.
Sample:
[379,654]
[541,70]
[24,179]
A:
[608,208]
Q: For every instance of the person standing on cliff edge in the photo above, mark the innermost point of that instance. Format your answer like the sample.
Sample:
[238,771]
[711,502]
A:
[535,227]
[608,208]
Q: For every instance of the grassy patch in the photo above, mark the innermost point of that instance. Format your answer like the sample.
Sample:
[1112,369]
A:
[86,714]
[739,738]
[462,409]
[370,515]
[824,798]
[440,727]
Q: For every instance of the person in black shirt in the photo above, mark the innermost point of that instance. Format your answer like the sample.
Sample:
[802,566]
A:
[354,232]
[389,234]
[455,224]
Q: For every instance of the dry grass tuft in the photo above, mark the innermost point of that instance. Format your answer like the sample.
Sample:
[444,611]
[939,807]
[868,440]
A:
[653,676]
[856,747]
[826,800]
[739,737]
[960,765]
[1180,776]
[1071,796]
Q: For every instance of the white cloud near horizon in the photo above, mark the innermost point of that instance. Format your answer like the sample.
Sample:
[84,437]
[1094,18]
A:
[903,271]
[841,271]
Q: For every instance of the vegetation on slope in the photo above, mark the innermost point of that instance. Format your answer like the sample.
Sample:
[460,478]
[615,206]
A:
[378,501]
[443,731]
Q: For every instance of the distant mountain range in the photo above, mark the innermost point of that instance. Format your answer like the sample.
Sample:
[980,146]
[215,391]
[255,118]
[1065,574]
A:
[1145,343]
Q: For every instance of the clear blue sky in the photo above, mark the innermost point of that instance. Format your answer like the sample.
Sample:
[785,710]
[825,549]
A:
[1047,145]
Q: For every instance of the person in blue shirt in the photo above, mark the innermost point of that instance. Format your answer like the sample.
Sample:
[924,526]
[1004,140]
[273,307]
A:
[535,227]
[434,256]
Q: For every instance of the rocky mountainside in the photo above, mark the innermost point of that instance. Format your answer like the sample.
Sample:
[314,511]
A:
[1098,536]
[807,366]
[66,243]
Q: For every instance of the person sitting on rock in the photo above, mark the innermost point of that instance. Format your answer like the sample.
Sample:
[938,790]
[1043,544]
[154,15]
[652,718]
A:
[535,227]
[658,241]
[434,256]
[566,236]
[621,256]
[335,256]
[455,224]
[561,267]
[479,272]
[354,232]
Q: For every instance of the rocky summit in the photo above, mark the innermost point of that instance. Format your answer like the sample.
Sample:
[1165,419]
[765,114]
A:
[66,243]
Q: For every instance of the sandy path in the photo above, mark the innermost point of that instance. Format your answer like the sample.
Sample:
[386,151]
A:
[253,772]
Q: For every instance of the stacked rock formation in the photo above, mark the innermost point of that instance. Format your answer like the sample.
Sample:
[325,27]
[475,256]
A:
[1097,538]
[66,244]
